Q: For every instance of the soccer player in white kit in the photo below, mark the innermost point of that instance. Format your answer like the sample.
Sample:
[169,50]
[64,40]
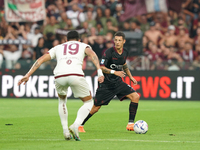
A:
[68,73]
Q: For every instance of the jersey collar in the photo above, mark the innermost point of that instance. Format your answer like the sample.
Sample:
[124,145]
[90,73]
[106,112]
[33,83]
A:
[117,51]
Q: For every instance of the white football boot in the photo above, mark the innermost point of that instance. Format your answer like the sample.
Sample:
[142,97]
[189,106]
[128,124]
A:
[74,131]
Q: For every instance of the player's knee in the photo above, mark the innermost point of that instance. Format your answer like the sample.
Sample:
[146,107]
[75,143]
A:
[85,99]
[138,96]
[62,96]
[135,97]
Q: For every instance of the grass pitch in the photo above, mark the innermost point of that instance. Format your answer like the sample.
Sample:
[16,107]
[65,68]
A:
[34,124]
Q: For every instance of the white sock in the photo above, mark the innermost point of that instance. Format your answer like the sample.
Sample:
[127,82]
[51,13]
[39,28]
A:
[83,112]
[63,113]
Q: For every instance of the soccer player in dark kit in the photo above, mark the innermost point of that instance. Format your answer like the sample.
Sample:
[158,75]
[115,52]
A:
[113,65]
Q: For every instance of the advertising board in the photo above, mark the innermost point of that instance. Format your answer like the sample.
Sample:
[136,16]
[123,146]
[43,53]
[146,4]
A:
[152,85]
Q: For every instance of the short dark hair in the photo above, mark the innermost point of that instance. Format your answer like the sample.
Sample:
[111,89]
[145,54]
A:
[136,22]
[180,18]
[108,20]
[71,35]
[119,33]
[14,27]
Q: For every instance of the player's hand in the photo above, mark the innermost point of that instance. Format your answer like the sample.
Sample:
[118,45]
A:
[101,79]
[134,81]
[120,73]
[24,79]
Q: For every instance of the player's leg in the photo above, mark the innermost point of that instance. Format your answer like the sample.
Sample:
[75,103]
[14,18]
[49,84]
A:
[125,91]
[80,89]
[81,115]
[61,88]
[102,93]
[134,97]
[63,113]
[84,110]
[92,112]
[89,115]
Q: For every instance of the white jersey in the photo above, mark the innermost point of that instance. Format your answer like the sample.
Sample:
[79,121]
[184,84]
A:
[69,57]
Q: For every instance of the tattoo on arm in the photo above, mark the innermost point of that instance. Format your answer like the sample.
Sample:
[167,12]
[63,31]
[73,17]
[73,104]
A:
[95,60]
[125,67]
[36,64]
[105,70]
[126,70]
[33,68]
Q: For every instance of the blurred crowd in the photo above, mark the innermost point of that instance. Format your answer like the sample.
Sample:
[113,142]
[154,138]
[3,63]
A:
[171,40]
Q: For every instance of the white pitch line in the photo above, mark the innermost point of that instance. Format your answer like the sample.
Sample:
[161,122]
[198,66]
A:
[154,141]
[32,139]
[114,140]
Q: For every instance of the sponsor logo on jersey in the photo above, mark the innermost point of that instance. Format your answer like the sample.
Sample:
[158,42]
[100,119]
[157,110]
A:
[69,61]
[114,67]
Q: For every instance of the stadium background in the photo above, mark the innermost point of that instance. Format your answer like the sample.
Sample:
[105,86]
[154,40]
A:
[165,69]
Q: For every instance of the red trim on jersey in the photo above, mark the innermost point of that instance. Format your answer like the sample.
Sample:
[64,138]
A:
[102,65]
[65,75]
[123,98]
[116,49]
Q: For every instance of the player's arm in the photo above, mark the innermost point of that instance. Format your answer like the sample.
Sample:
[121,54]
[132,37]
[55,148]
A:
[36,65]
[110,71]
[89,52]
[125,68]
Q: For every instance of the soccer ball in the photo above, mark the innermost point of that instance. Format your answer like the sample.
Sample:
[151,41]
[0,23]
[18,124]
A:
[140,127]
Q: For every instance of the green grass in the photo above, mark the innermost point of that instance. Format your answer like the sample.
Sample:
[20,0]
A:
[36,126]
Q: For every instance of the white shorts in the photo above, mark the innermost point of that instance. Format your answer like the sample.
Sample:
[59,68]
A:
[79,86]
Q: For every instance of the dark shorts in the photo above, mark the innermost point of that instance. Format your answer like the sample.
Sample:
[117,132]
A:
[105,93]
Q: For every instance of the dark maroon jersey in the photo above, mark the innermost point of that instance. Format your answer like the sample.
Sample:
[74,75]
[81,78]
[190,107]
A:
[111,59]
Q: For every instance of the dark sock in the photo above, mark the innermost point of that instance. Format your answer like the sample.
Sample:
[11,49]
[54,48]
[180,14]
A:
[132,111]
[86,119]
